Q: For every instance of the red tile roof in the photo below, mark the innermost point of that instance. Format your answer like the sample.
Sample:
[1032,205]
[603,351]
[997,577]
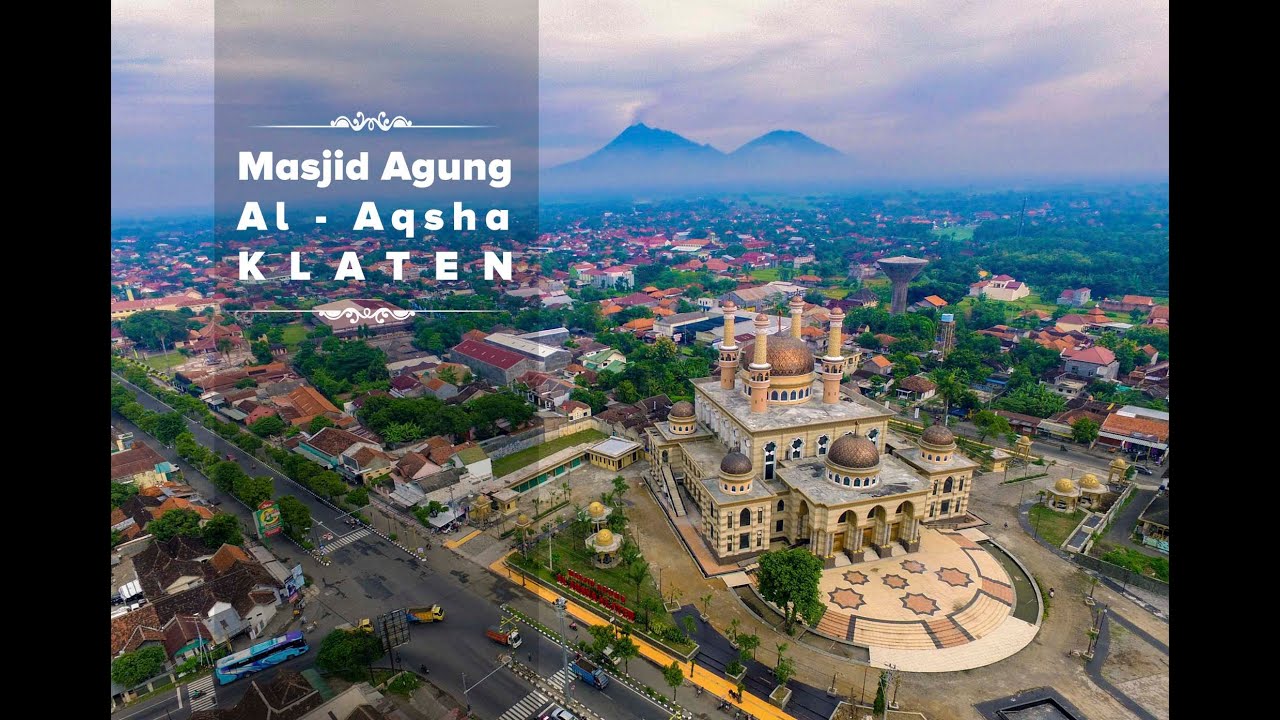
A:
[485,353]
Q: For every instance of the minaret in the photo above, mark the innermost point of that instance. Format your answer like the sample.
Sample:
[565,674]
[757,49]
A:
[758,371]
[728,347]
[797,316]
[833,361]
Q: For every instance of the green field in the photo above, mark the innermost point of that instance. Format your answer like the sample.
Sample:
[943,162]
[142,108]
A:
[835,293]
[765,274]
[1054,526]
[961,233]
[528,456]
[164,362]
[295,334]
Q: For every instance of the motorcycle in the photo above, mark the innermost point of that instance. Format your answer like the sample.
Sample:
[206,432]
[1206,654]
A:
[196,693]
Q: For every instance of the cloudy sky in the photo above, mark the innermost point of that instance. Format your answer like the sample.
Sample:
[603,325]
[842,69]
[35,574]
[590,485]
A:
[990,89]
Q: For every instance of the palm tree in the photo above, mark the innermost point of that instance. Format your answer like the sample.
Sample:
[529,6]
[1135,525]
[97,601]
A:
[625,648]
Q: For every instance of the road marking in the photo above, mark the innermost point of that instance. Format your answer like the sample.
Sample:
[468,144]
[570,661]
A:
[456,543]
[528,705]
[345,540]
[209,696]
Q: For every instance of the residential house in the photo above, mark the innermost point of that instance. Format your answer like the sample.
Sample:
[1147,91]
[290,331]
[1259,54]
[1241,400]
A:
[1153,523]
[474,461]
[932,302]
[439,389]
[495,364]
[617,276]
[415,466]
[140,465]
[575,409]
[288,695]
[545,391]
[1159,316]
[547,358]
[864,298]
[1129,303]
[1092,363]
[1074,297]
[1000,287]
[1021,424]
[878,365]
[609,359]
[329,445]
[916,387]
[308,404]
[406,386]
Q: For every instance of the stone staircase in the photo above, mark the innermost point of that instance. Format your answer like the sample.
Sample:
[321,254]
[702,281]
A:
[672,490]
[900,635]
[982,616]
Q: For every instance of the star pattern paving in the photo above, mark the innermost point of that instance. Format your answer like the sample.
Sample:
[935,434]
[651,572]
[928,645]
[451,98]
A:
[897,582]
[919,604]
[856,577]
[847,598]
[954,577]
[913,566]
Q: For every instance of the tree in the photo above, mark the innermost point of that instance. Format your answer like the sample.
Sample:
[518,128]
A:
[596,399]
[182,521]
[349,653]
[881,686]
[435,507]
[245,383]
[267,426]
[253,490]
[674,676]
[295,517]
[225,474]
[620,488]
[358,497]
[989,423]
[690,625]
[120,492]
[785,669]
[1084,430]
[637,572]
[448,374]
[168,427]
[221,529]
[155,329]
[789,579]
[137,667]
[319,423]
[626,392]
[625,648]
[749,643]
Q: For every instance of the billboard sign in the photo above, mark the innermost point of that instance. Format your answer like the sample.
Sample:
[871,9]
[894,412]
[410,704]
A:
[267,519]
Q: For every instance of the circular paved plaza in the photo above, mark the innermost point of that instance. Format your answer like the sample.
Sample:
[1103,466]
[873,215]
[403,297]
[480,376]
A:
[946,607]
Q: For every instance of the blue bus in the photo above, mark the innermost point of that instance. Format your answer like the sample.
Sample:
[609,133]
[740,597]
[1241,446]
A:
[260,656]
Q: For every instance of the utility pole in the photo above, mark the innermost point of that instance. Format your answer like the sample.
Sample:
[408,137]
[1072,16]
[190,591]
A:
[561,605]
[892,670]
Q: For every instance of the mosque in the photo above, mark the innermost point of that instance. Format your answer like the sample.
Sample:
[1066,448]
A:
[772,451]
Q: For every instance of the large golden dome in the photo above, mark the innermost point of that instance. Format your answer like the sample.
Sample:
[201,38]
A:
[1089,480]
[595,509]
[855,452]
[786,355]
[604,538]
[1064,486]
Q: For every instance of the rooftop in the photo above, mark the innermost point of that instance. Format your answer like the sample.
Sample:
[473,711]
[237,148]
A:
[615,447]
[527,347]
[808,476]
[778,417]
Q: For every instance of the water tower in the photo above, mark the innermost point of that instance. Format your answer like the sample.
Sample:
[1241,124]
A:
[946,334]
[901,270]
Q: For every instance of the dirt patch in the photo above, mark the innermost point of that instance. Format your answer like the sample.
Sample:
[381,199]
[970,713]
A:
[1130,657]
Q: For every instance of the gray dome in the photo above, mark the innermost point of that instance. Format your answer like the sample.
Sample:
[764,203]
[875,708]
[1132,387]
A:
[938,436]
[853,451]
[682,409]
[735,463]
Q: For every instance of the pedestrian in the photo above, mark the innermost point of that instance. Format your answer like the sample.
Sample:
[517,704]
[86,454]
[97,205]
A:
[1050,592]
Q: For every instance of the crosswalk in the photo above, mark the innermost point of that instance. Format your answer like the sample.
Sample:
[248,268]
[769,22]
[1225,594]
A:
[208,697]
[560,678]
[344,540]
[530,706]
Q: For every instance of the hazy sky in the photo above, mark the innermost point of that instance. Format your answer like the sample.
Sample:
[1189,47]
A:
[1075,89]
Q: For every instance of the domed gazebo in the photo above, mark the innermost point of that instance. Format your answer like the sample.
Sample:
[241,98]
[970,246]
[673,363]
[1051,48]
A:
[1063,496]
[598,513]
[604,544]
[1091,491]
[853,461]
[1116,471]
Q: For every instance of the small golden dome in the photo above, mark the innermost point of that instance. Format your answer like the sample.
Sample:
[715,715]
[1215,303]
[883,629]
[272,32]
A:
[522,519]
[786,355]
[1024,441]
[595,509]
[604,537]
[853,451]
[1089,480]
[1064,485]
[1119,464]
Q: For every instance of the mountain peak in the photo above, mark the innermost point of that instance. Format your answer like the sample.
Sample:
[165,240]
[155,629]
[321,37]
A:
[776,141]
[641,137]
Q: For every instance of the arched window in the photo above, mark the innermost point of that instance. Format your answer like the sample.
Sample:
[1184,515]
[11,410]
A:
[844,517]
[773,395]
[857,482]
[946,486]
[793,394]
[873,435]
[846,482]
[744,518]
[822,444]
[665,456]
[797,446]
[769,451]
[781,505]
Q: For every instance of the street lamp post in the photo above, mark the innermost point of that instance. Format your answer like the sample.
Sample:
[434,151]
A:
[561,605]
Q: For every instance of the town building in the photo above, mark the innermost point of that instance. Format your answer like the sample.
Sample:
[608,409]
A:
[1074,297]
[1000,287]
[1092,363]
[1137,429]
[773,451]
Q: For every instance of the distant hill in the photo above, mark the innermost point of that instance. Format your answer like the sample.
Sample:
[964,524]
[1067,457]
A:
[646,159]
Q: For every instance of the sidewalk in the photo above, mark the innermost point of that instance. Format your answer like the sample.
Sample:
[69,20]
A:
[714,686]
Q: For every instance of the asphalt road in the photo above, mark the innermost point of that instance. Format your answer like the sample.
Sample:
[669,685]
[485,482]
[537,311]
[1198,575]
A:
[370,576]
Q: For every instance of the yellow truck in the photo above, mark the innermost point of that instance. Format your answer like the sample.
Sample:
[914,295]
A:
[364,625]
[425,614]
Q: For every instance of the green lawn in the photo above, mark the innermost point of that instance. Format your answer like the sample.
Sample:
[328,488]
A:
[528,456]
[295,334]
[162,362]
[835,293]
[1157,567]
[961,233]
[1054,526]
[765,274]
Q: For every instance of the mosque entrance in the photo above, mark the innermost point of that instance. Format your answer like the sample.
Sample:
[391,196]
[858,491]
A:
[837,542]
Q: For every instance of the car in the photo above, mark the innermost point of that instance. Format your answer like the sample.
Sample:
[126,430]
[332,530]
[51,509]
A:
[1143,470]
[560,714]
[230,456]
